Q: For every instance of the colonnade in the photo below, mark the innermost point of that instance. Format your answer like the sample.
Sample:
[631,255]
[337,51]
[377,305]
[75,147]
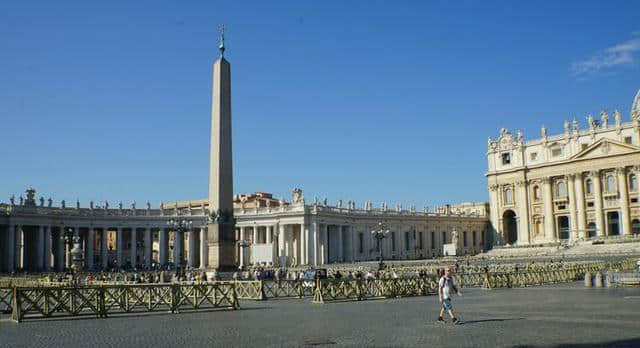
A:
[320,243]
[48,247]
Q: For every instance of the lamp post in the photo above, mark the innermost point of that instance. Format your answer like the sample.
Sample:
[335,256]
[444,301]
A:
[243,244]
[66,237]
[379,234]
[178,227]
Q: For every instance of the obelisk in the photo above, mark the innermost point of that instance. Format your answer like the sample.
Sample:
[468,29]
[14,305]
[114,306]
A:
[221,236]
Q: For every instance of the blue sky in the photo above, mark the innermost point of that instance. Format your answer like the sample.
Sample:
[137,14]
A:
[363,100]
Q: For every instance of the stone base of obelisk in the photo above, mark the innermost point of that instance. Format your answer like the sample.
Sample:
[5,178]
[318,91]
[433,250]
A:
[222,247]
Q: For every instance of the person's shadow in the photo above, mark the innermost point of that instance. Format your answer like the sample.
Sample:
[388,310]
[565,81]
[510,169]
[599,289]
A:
[488,320]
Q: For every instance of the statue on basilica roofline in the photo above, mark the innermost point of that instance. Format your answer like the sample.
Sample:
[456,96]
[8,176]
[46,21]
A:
[12,199]
[133,205]
[149,206]
[543,132]
[575,126]
[63,204]
[604,117]
[49,202]
[519,136]
[591,122]
[618,118]
[566,127]
[41,201]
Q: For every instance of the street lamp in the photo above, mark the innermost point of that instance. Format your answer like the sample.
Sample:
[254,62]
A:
[243,244]
[379,234]
[179,227]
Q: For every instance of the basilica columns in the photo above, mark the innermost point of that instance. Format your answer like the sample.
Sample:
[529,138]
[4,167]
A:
[48,235]
[581,213]
[523,212]
[597,188]
[549,223]
[572,206]
[624,201]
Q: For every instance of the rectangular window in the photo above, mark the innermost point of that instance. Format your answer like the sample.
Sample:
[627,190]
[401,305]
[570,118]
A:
[433,240]
[634,200]
[360,242]
[506,158]
[482,239]
[627,140]
[533,156]
[590,204]
[464,238]
[444,237]
[556,152]
[475,239]
[583,146]
[420,241]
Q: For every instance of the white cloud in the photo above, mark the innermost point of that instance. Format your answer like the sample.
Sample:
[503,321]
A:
[619,54]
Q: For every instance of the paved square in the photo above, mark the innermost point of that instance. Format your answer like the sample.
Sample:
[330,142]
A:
[553,316]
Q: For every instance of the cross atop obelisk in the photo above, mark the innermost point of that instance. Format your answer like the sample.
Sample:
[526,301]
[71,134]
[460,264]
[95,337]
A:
[221,236]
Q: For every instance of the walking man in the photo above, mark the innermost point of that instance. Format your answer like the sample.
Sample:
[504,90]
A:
[446,288]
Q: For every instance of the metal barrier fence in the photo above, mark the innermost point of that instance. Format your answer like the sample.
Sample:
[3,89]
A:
[327,290]
[265,289]
[614,279]
[46,302]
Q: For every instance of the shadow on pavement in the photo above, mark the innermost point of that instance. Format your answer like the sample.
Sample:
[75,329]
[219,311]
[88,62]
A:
[633,342]
[489,320]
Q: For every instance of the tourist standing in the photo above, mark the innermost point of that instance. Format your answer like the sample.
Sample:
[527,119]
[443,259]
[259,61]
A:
[446,288]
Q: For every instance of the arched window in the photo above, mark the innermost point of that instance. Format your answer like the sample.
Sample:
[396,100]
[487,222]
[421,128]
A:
[611,183]
[508,196]
[589,187]
[561,189]
[536,193]
[633,183]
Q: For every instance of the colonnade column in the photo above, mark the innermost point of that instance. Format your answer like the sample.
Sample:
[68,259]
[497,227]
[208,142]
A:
[162,246]
[597,188]
[192,248]
[581,213]
[134,247]
[40,252]
[255,234]
[281,245]
[20,246]
[119,246]
[314,243]
[203,247]
[103,247]
[89,245]
[549,223]
[48,234]
[573,225]
[11,248]
[177,248]
[340,244]
[148,247]
[304,245]
[325,244]
[624,201]
[60,259]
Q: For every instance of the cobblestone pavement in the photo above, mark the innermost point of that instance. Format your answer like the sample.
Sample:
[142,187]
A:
[558,316]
